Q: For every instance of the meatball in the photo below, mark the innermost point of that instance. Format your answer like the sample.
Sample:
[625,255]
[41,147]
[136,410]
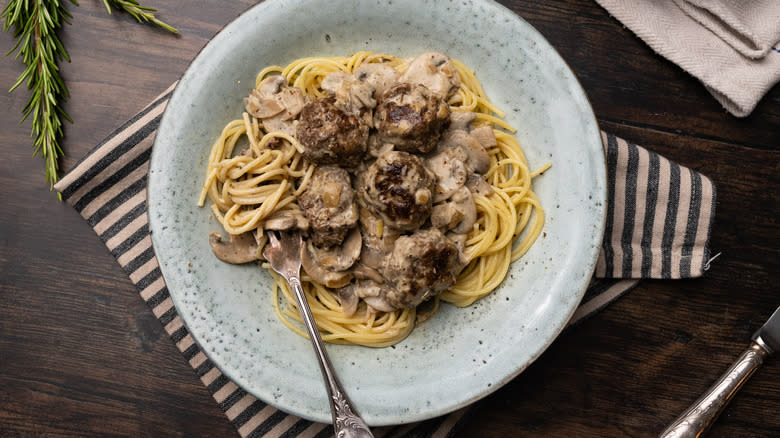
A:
[411,117]
[421,265]
[398,189]
[329,135]
[329,205]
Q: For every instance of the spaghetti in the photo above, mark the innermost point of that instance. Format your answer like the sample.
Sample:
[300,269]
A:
[247,182]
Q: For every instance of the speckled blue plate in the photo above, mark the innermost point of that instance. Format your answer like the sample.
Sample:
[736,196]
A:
[462,354]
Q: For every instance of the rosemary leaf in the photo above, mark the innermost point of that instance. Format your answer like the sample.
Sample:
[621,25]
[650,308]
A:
[140,13]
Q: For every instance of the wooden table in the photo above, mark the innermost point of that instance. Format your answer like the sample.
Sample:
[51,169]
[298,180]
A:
[81,355]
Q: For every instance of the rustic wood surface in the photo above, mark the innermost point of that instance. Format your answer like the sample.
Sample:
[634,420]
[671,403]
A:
[81,354]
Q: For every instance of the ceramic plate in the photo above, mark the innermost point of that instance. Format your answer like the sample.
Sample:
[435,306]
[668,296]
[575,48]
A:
[462,354]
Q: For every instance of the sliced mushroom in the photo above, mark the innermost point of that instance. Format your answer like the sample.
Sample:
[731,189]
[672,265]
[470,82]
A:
[485,136]
[271,85]
[378,304]
[460,242]
[338,258]
[349,299]
[451,171]
[278,124]
[285,220]
[446,215]
[425,311]
[461,120]
[262,102]
[321,275]
[435,71]
[261,107]
[478,158]
[457,214]
[292,100]
[275,104]
[464,202]
[374,295]
[367,289]
[379,76]
[352,95]
[378,239]
[478,185]
[363,272]
[241,248]
[334,81]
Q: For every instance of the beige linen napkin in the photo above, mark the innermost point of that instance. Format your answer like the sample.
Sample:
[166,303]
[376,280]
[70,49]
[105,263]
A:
[731,46]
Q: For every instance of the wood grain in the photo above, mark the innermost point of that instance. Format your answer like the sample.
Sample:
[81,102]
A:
[81,354]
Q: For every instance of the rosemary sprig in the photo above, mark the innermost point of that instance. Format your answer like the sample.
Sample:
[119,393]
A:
[35,24]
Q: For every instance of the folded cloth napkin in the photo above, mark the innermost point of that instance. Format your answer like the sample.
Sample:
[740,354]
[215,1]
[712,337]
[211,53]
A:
[731,46]
[751,28]
[658,226]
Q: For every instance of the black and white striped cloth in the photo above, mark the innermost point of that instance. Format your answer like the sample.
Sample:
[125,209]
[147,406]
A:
[659,217]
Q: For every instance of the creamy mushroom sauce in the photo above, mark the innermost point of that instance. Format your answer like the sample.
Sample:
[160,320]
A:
[387,210]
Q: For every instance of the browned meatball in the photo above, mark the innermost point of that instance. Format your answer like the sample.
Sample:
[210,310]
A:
[330,206]
[397,188]
[421,265]
[329,135]
[411,117]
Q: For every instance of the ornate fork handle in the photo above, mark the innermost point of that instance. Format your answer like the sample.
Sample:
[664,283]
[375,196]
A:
[700,416]
[346,421]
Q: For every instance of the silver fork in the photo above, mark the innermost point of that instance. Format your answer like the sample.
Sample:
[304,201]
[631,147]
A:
[283,251]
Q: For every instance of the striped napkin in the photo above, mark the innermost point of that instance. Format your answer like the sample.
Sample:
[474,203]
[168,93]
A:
[658,225]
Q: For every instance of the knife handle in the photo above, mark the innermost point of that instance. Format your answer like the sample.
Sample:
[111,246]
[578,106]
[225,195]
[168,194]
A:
[700,416]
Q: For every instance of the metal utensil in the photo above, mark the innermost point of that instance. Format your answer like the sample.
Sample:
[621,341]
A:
[700,416]
[283,252]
